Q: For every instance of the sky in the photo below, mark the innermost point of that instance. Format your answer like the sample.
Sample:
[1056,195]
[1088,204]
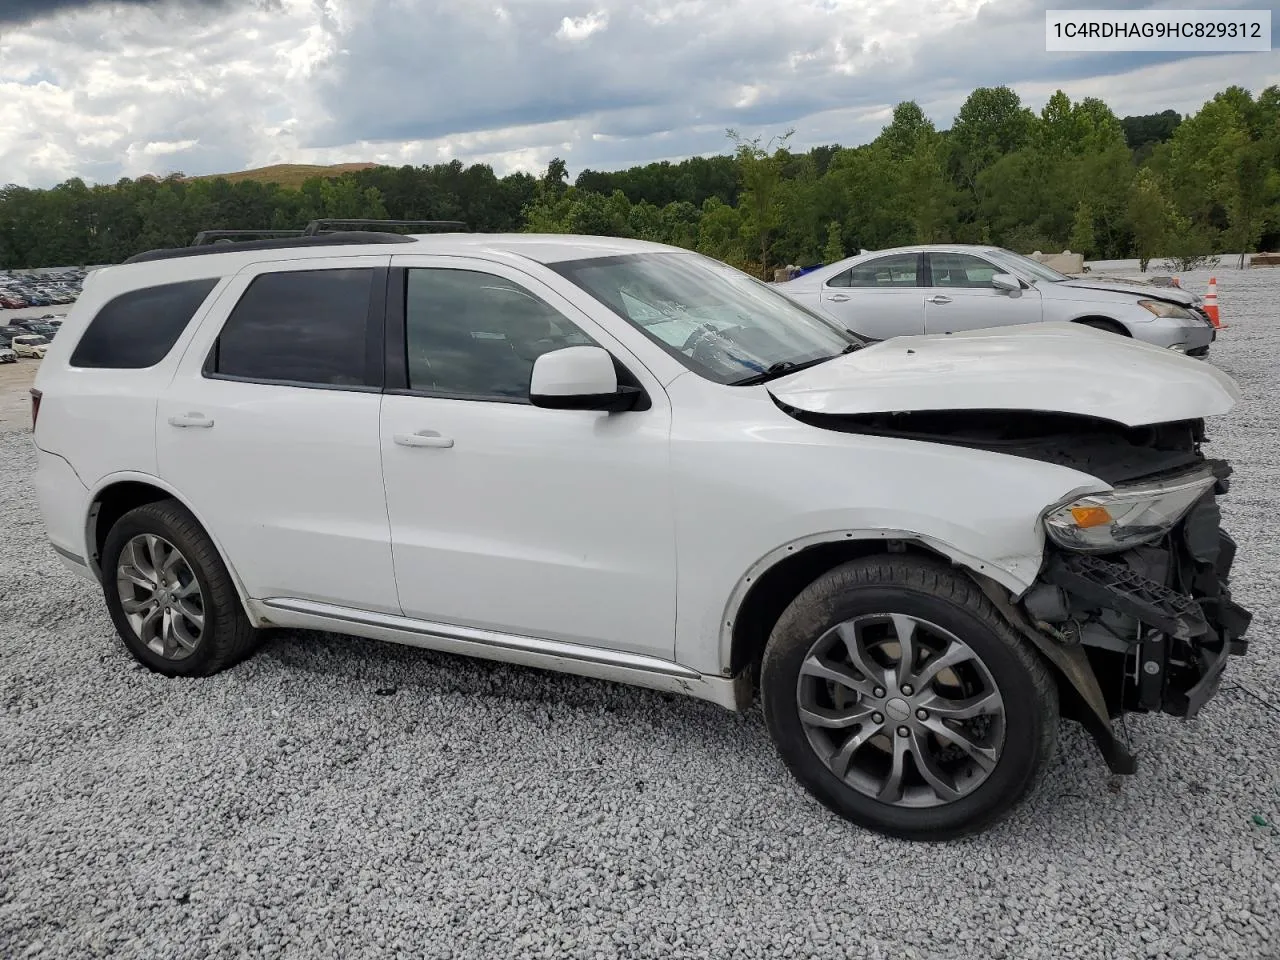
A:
[103,90]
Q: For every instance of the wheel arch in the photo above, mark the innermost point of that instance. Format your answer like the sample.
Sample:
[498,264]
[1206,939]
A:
[773,581]
[1111,323]
[118,493]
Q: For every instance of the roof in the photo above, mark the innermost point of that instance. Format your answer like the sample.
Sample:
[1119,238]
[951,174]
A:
[543,248]
[931,248]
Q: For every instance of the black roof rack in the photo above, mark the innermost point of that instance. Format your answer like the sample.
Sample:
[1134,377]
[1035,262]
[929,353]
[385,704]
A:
[321,240]
[327,231]
[322,226]
[227,236]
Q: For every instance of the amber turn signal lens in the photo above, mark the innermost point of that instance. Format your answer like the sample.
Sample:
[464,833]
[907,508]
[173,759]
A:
[1086,517]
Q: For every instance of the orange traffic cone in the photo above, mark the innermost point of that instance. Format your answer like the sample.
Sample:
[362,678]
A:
[1211,303]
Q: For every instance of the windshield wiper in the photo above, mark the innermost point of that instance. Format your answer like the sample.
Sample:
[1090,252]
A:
[789,366]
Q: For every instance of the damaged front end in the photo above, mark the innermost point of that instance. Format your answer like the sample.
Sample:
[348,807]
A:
[1155,620]
[1132,603]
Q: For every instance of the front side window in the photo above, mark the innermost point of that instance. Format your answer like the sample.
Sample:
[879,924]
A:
[138,329]
[960,270]
[474,335]
[899,270]
[306,327]
[719,322]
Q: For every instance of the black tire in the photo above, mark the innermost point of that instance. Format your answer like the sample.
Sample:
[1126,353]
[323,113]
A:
[945,597]
[227,636]
[1101,323]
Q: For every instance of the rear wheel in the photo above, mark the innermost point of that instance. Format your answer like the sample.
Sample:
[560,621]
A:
[170,595]
[901,699]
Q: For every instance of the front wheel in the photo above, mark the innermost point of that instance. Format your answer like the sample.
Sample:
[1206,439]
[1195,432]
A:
[899,696]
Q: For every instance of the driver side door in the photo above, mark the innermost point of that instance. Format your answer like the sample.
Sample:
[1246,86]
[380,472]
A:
[961,296]
[526,521]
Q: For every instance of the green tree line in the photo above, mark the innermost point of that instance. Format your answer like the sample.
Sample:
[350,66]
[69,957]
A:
[1073,175]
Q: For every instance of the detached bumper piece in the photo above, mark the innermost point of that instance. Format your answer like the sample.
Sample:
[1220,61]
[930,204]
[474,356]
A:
[1157,622]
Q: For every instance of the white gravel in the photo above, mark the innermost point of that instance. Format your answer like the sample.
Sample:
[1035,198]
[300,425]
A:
[292,807]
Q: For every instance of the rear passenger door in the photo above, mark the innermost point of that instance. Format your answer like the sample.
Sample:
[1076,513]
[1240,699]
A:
[270,430]
[879,298]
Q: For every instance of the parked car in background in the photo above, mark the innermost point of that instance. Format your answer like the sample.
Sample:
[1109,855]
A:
[949,288]
[11,330]
[6,352]
[921,553]
[33,346]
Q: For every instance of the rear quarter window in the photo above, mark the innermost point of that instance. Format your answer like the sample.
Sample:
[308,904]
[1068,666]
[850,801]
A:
[137,329]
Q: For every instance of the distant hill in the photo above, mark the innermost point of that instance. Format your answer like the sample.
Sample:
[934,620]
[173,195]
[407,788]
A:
[289,175]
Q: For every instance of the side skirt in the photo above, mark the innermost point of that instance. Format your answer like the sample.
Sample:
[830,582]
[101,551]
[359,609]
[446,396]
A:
[575,658]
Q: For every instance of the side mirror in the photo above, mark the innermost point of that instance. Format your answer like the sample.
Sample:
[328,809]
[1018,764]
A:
[579,378]
[1006,282]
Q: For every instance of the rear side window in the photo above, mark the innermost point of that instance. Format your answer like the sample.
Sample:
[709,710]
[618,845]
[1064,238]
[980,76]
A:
[305,327]
[892,272]
[137,329]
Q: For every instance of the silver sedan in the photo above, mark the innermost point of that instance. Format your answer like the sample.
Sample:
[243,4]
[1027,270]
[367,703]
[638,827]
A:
[946,288]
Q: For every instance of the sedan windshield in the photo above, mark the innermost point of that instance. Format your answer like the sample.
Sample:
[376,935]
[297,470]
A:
[1026,264]
[717,321]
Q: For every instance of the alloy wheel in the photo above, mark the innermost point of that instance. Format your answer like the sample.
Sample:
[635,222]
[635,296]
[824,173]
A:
[160,596]
[901,710]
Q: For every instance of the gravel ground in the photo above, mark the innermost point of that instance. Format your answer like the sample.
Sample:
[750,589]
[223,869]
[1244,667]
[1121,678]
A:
[338,797]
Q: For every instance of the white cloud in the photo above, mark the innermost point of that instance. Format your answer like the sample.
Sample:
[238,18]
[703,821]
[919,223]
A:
[579,28]
[122,91]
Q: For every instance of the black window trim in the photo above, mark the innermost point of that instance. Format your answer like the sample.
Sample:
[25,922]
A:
[920,272]
[374,361]
[215,281]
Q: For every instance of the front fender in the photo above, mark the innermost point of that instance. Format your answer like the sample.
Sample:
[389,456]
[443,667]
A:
[1016,573]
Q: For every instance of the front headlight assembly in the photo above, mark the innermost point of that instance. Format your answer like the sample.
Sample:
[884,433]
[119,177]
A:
[1125,516]
[1162,308]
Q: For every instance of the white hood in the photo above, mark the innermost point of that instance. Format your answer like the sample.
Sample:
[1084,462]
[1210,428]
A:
[1142,288]
[1050,367]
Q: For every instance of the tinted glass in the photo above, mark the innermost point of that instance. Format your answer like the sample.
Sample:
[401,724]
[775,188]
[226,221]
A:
[717,321]
[472,334]
[139,328]
[960,270]
[886,272]
[305,326]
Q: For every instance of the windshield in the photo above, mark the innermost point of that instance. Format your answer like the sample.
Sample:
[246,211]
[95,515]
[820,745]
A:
[717,321]
[1029,265]
[32,341]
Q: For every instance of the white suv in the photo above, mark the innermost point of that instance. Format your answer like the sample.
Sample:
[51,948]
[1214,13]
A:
[628,461]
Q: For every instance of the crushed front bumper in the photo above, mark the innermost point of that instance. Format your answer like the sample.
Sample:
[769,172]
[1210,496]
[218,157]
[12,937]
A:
[1157,623]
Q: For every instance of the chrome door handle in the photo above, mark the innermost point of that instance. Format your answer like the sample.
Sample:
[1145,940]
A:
[838,297]
[423,438]
[938,299]
[191,420]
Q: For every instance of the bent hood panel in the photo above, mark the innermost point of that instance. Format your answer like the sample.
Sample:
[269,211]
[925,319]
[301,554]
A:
[1141,288]
[1050,367]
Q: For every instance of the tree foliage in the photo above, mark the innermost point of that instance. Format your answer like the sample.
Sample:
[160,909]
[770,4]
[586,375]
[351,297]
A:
[1072,175]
